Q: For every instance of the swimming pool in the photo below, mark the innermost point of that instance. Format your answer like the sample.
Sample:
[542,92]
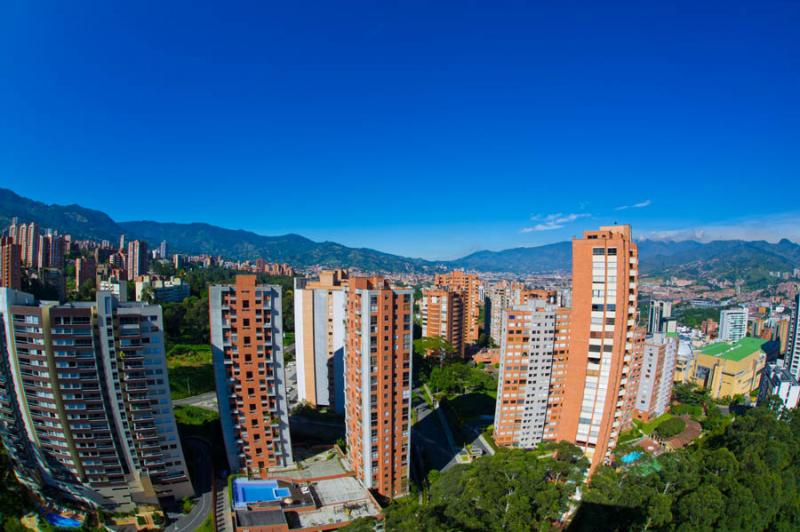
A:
[61,521]
[631,457]
[252,491]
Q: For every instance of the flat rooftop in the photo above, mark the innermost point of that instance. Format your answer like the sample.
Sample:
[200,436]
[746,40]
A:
[736,351]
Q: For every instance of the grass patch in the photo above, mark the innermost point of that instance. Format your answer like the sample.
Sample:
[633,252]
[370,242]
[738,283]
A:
[194,416]
[190,370]
[648,427]
[207,525]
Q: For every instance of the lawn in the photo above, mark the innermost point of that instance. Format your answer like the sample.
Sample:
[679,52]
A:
[190,370]
[194,416]
[648,427]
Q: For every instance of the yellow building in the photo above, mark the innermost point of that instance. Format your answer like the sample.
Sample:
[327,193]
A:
[728,369]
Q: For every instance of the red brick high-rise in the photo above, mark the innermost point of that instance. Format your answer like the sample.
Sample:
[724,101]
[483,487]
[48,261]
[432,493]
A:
[10,265]
[469,286]
[378,383]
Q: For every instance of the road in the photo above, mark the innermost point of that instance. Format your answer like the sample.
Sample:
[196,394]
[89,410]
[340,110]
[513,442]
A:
[200,468]
[206,400]
[430,440]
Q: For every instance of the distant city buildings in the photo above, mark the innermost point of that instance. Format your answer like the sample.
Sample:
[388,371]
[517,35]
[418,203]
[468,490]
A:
[378,384]
[137,259]
[319,326]
[156,289]
[733,324]
[247,351]
[85,401]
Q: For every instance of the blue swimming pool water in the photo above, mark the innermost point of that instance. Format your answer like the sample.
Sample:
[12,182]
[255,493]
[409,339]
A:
[251,491]
[631,457]
[61,521]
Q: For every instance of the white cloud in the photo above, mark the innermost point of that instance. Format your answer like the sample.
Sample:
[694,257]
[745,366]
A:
[640,205]
[771,228]
[553,221]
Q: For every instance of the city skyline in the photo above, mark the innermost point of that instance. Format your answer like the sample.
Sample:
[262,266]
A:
[383,99]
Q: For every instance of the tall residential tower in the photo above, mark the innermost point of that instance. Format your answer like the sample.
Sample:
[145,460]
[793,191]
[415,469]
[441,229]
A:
[378,383]
[247,351]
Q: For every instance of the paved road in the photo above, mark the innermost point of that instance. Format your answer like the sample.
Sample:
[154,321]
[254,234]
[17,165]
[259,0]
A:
[200,469]
[430,440]
[204,400]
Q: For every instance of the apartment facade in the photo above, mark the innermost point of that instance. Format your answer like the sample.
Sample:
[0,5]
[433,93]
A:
[596,382]
[469,286]
[85,399]
[776,381]
[378,383]
[137,259]
[733,324]
[319,324]
[247,351]
[728,369]
[10,264]
[443,316]
[793,342]
[658,312]
[527,351]
[657,375]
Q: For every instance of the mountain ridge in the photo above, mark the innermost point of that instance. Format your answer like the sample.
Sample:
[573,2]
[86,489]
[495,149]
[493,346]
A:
[728,259]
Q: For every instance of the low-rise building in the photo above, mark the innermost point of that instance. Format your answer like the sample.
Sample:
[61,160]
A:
[729,369]
[172,290]
[321,494]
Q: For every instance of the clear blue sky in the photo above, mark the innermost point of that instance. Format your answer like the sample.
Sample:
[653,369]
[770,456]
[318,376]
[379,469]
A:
[427,129]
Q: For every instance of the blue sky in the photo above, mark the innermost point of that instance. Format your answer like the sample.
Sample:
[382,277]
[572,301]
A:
[422,128]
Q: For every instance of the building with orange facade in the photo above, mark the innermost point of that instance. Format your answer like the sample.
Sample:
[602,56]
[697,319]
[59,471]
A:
[319,318]
[469,286]
[137,259]
[573,373]
[443,316]
[378,383]
[599,379]
[247,350]
[10,264]
[527,351]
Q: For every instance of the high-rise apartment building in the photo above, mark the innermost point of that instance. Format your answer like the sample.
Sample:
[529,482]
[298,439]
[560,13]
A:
[733,324]
[52,247]
[469,286]
[10,265]
[792,357]
[657,374]
[319,326]
[595,385]
[498,298]
[531,332]
[378,383]
[85,270]
[137,259]
[85,400]
[443,316]
[247,350]
[659,311]
[29,243]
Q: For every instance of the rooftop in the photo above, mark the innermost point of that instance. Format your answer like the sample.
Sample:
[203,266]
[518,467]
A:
[736,351]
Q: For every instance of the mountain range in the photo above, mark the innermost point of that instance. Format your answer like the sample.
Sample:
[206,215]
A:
[728,259]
